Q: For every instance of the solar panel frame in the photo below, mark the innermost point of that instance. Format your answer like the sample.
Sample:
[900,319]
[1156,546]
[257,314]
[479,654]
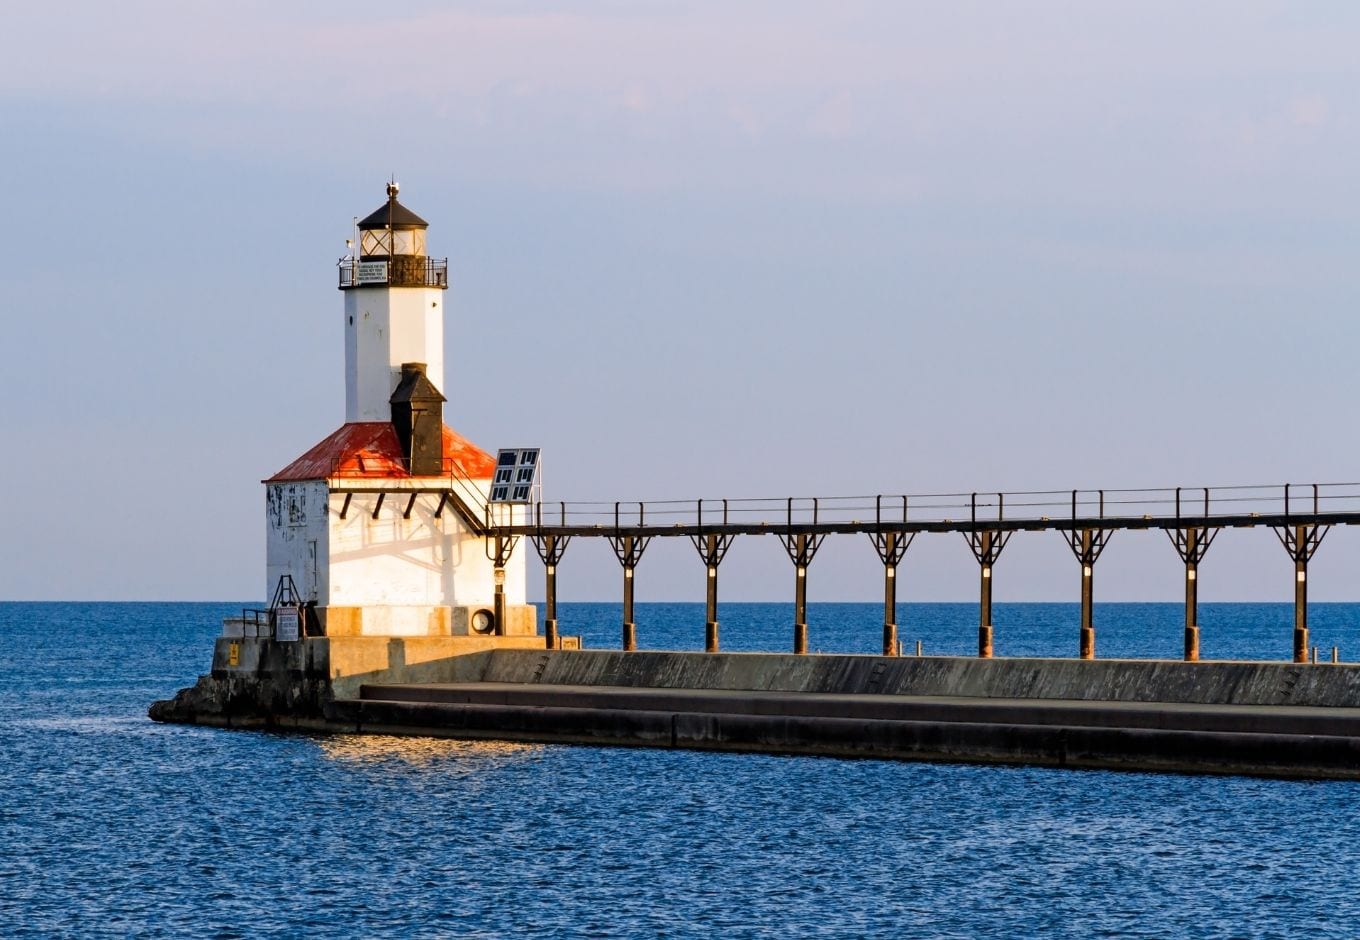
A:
[516,479]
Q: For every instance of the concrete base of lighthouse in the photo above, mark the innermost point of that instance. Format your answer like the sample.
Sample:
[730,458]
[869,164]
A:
[267,683]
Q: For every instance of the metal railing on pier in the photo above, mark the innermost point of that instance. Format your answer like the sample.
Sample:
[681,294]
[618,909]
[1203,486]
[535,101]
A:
[1267,504]
[1300,515]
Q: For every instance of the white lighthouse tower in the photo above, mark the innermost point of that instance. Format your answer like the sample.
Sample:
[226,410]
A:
[394,309]
[380,529]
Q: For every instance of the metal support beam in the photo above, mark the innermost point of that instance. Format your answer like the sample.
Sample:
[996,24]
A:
[344,508]
[1086,545]
[550,549]
[499,548]
[377,506]
[1191,544]
[443,501]
[410,504]
[1301,542]
[801,548]
[712,549]
[628,549]
[986,545]
[891,546]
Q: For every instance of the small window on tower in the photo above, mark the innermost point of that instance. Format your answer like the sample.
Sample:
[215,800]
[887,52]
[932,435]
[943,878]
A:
[503,475]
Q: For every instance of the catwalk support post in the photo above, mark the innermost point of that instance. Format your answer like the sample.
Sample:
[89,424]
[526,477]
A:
[499,549]
[801,548]
[1192,542]
[628,549]
[891,546]
[986,543]
[1087,543]
[550,550]
[1301,542]
[712,549]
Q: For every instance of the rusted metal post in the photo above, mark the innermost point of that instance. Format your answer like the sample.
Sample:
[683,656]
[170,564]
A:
[985,601]
[1300,597]
[891,546]
[550,607]
[986,545]
[712,549]
[800,598]
[801,548]
[1088,628]
[1192,597]
[711,610]
[629,626]
[628,549]
[1192,542]
[889,610]
[1087,545]
[498,551]
[1301,542]
[550,550]
[498,600]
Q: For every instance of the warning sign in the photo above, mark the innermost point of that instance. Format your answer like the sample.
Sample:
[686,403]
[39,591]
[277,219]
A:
[286,623]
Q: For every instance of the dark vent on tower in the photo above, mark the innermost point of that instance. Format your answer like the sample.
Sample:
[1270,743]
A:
[418,418]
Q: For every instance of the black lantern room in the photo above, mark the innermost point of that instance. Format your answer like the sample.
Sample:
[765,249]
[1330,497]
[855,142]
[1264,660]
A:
[392,250]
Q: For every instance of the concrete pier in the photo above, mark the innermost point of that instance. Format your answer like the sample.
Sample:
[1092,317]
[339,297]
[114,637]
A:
[1276,719]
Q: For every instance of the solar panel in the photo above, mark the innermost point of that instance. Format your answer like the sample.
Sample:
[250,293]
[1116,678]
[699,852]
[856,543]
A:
[516,475]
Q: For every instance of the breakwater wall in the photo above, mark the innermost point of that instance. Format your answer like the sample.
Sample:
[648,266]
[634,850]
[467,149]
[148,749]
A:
[1279,719]
[1151,681]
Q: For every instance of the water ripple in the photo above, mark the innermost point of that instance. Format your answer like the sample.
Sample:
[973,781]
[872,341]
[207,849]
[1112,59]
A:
[111,825]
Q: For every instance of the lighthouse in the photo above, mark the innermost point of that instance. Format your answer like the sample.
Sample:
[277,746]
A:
[382,527]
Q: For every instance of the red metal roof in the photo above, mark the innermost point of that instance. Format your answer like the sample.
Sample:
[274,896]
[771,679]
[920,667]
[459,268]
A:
[370,450]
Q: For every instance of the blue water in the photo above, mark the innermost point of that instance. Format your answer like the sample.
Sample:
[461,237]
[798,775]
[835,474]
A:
[111,825]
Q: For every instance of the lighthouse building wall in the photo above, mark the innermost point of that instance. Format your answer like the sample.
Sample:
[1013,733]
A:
[389,576]
[296,538]
[407,576]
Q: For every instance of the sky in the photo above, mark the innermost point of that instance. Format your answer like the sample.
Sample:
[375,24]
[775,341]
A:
[696,250]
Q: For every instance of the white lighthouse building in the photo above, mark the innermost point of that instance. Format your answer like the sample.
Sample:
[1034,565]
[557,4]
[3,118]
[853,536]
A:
[380,529]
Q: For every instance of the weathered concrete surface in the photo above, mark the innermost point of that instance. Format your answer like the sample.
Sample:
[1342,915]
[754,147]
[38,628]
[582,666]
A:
[1226,717]
[1209,683]
[262,682]
[1265,719]
[1110,747]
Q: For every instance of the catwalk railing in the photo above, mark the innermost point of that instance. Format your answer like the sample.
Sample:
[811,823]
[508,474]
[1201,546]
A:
[1300,515]
[1278,504]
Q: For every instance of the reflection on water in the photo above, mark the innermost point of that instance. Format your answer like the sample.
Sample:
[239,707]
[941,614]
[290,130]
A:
[413,751]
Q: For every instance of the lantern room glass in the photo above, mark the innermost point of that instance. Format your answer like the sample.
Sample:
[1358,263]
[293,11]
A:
[383,242]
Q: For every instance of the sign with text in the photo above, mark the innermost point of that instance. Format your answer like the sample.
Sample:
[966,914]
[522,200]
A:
[371,272]
[286,623]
